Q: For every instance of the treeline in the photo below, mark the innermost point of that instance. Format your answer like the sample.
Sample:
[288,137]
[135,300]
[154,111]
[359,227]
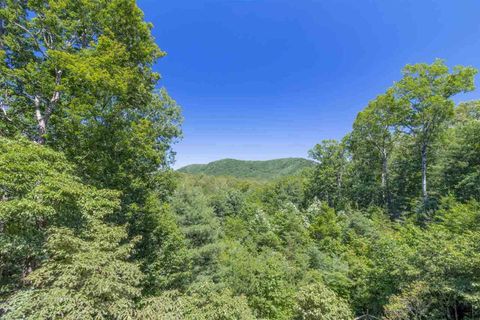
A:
[407,142]
[94,224]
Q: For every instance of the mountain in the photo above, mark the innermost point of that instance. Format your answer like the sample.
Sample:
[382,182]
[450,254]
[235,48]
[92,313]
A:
[261,170]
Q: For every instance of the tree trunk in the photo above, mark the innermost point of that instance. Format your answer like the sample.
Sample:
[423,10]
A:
[42,119]
[456,310]
[41,123]
[385,187]
[424,173]
[84,39]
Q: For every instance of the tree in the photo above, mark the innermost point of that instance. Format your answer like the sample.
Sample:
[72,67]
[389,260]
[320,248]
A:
[287,189]
[60,256]
[61,56]
[228,202]
[38,190]
[77,75]
[264,278]
[316,302]
[413,304]
[444,273]
[424,94]
[203,301]
[86,277]
[201,228]
[327,179]
[163,252]
[459,166]
[374,128]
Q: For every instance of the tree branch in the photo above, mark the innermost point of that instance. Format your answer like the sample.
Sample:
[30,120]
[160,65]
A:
[39,47]
[5,114]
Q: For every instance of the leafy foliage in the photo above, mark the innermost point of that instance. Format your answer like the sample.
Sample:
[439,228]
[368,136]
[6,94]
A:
[315,301]
[259,170]
[205,301]
[62,257]
[94,224]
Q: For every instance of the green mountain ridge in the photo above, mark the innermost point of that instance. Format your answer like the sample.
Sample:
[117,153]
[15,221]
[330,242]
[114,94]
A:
[261,170]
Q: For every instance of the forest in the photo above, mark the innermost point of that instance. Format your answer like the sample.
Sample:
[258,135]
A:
[254,170]
[95,224]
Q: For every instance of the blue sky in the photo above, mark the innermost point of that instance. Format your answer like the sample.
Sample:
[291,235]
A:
[263,79]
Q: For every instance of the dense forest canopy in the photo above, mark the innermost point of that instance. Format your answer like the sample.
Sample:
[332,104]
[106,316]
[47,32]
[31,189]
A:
[95,225]
[256,170]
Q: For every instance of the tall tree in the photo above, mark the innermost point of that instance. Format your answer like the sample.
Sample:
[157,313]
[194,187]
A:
[78,76]
[374,129]
[59,56]
[424,94]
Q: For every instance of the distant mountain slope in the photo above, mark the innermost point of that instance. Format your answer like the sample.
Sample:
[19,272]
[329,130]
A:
[262,170]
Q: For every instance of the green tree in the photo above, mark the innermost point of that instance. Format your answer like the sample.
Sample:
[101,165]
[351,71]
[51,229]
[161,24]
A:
[424,93]
[264,278]
[85,277]
[444,281]
[316,302]
[78,76]
[163,253]
[203,301]
[328,177]
[201,229]
[374,128]
[38,190]
[405,175]
[459,166]
[288,189]
[60,257]
[413,304]
[62,55]
[228,202]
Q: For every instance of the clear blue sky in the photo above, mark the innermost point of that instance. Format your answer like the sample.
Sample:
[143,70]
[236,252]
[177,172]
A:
[263,79]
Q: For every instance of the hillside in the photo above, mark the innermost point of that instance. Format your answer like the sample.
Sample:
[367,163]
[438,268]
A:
[261,170]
